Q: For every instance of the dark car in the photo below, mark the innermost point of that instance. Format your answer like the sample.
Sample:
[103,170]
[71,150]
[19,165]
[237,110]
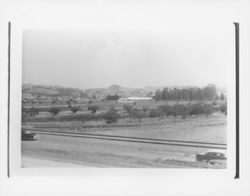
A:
[28,136]
[211,155]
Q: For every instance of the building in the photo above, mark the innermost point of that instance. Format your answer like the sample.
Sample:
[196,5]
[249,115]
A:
[133,99]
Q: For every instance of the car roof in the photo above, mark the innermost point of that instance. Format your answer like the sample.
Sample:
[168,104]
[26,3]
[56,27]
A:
[217,151]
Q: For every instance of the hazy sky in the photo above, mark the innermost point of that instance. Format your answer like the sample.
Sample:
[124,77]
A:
[178,54]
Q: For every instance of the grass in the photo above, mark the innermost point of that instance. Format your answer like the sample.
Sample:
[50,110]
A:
[197,128]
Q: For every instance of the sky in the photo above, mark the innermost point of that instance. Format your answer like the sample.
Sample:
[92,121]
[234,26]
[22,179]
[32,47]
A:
[177,54]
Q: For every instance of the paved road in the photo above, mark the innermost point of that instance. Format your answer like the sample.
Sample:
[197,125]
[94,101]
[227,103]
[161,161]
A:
[103,153]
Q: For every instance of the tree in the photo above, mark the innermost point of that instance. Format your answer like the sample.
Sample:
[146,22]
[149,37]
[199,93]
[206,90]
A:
[207,109]
[24,116]
[166,109]
[127,107]
[222,97]
[111,116]
[164,94]
[69,103]
[54,110]
[223,108]
[181,109]
[33,111]
[157,96]
[145,109]
[210,92]
[196,109]
[113,97]
[155,113]
[75,109]
[93,108]
[136,114]
[192,93]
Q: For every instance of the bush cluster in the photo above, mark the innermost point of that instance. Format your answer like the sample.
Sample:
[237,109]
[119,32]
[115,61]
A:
[54,110]
[223,108]
[155,112]
[183,110]
[33,111]
[75,109]
[93,108]
[113,97]
[111,116]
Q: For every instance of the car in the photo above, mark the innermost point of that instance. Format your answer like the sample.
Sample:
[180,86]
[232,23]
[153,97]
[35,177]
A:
[217,162]
[213,154]
[28,136]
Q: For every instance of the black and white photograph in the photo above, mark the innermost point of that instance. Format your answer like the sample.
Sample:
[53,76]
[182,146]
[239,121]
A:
[125,98]
[119,97]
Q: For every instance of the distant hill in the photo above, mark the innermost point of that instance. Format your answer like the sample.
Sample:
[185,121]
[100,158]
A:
[99,93]
[39,90]
[116,90]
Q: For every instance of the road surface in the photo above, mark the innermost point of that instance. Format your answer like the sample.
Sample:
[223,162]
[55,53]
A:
[63,151]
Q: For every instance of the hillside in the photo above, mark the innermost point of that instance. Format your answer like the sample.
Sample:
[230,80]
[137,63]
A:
[99,93]
[30,90]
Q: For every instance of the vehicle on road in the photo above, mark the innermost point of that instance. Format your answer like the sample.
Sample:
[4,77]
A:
[217,162]
[28,136]
[211,155]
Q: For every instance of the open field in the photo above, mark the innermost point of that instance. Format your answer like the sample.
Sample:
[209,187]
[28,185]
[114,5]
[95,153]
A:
[200,128]
[106,153]
[105,105]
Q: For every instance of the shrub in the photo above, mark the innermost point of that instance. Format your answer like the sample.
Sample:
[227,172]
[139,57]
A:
[128,107]
[69,103]
[185,111]
[214,102]
[181,109]
[223,108]
[75,109]
[93,108]
[54,110]
[136,113]
[145,109]
[200,108]
[207,109]
[33,111]
[166,109]
[155,112]
[113,97]
[222,97]
[24,116]
[196,109]
[81,117]
[111,116]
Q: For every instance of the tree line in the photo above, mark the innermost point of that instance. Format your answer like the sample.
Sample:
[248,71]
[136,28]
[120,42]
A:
[207,93]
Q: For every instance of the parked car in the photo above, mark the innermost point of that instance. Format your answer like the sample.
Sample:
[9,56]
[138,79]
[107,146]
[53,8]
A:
[28,136]
[210,155]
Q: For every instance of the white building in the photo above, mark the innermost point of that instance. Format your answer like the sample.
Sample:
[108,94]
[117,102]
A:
[132,99]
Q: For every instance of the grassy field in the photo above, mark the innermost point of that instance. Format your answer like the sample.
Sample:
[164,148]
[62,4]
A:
[104,153]
[105,105]
[200,128]
[210,128]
